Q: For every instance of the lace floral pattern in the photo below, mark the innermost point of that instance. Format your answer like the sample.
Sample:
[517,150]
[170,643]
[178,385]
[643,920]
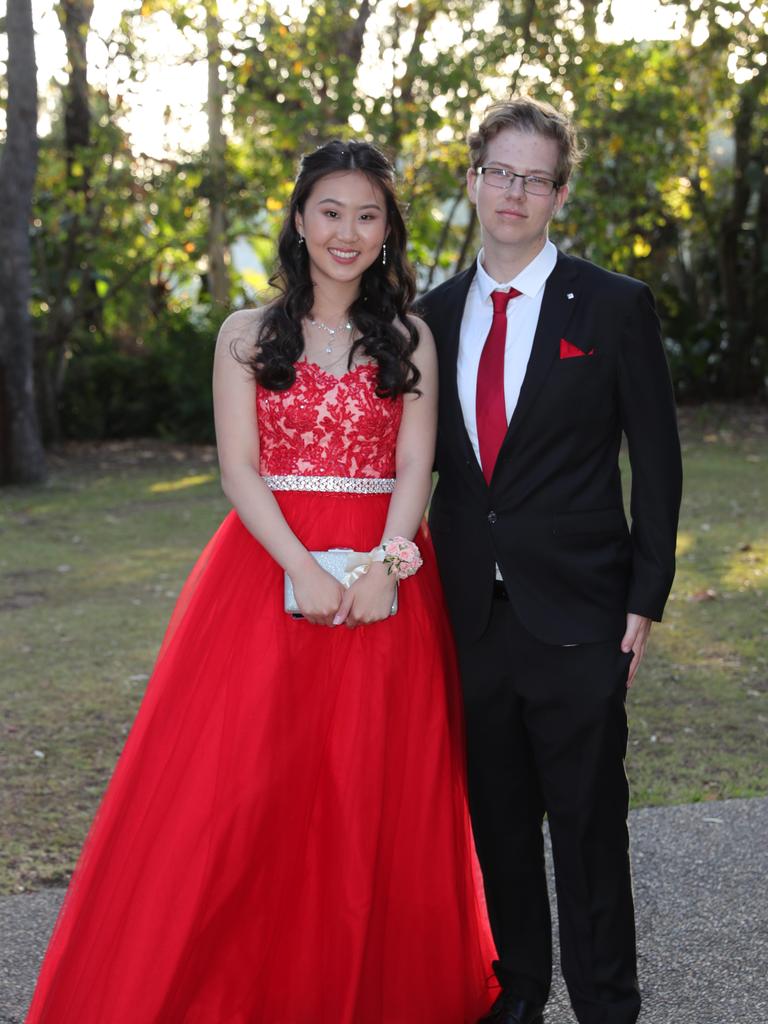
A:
[328,426]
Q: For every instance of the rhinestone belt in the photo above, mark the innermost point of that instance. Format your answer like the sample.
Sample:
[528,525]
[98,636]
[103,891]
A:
[342,484]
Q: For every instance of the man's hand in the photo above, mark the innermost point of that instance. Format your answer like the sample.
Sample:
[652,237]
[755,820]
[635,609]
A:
[635,639]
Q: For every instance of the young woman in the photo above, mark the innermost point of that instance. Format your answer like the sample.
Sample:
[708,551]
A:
[285,839]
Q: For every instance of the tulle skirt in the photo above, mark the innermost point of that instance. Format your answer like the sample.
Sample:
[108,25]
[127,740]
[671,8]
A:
[285,839]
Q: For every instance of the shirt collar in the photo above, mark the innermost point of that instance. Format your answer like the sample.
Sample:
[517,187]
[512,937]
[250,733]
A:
[529,281]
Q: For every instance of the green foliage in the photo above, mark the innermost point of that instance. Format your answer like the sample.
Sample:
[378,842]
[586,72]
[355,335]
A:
[110,394]
[161,390]
[673,190]
[139,224]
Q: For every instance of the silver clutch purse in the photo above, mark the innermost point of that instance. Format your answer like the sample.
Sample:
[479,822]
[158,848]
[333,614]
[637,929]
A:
[341,563]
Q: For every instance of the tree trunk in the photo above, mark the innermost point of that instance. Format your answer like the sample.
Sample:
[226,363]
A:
[75,18]
[446,230]
[66,311]
[21,446]
[351,41]
[739,274]
[589,19]
[427,12]
[218,271]
[467,243]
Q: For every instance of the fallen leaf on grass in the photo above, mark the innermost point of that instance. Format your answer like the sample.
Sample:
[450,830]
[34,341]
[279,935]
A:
[704,595]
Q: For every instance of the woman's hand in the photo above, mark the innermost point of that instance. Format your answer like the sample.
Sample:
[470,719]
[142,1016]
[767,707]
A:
[369,599]
[318,594]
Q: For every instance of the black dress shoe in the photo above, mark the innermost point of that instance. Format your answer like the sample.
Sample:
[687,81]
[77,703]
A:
[511,1009]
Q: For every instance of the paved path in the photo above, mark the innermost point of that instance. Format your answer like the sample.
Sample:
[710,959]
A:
[701,886]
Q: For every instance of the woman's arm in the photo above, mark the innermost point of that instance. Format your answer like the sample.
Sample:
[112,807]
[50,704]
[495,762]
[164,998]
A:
[318,594]
[370,598]
[415,444]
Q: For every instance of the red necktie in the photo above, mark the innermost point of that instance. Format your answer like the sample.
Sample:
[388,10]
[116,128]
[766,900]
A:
[490,407]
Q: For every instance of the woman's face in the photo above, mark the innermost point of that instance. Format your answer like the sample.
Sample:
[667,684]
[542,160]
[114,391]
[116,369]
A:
[344,224]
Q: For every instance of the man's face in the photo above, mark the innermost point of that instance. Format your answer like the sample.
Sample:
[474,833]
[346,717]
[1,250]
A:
[512,218]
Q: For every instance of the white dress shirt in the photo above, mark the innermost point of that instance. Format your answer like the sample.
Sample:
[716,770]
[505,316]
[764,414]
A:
[522,318]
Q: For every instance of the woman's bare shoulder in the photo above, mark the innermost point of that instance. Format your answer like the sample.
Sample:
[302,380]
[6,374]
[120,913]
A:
[239,331]
[426,344]
[420,325]
[422,329]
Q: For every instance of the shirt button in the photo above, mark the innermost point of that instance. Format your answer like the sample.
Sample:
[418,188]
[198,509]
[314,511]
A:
[492,517]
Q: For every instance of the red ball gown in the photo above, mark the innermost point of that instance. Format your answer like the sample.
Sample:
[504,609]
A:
[285,839]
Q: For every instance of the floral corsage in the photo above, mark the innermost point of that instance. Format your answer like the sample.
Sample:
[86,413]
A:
[401,557]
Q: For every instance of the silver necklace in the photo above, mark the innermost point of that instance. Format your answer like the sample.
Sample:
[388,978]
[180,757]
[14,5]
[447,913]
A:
[332,362]
[333,331]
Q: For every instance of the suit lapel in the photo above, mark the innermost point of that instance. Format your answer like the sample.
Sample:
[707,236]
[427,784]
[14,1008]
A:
[449,330]
[559,301]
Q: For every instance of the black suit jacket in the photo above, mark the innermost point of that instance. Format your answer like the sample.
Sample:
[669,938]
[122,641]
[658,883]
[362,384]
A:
[553,516]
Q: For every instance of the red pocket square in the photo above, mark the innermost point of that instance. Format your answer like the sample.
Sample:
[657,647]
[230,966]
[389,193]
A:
[569,351]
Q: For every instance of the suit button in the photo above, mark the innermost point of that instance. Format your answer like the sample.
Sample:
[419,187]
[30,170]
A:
[492,517]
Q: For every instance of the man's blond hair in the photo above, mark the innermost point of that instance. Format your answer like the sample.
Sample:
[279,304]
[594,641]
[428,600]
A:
[524,114]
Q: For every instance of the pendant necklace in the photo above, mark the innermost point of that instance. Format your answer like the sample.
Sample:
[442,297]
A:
[333,331]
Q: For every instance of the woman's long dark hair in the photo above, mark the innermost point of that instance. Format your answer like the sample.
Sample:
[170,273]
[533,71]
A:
[386,291]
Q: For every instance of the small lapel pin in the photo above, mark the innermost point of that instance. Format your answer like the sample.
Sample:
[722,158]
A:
[570,295]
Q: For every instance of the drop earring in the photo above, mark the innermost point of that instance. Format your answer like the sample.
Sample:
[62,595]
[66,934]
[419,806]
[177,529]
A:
[301,239]
[384,254]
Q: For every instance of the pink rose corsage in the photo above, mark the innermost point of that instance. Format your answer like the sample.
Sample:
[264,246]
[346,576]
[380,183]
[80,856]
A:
[401,557]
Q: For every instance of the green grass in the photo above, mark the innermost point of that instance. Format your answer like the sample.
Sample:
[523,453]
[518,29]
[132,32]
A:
[89,569]
[90,566]
[699,709]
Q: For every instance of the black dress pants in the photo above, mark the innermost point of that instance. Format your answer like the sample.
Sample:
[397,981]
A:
[547,733]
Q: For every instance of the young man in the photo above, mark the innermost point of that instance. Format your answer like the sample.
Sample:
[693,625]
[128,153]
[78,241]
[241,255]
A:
[545,360]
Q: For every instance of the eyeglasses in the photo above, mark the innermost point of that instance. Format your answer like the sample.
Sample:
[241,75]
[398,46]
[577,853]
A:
[534,184]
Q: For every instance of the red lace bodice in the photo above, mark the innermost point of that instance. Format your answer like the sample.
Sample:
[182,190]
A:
[328,426]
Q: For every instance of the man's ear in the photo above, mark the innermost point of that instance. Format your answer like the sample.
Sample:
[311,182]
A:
[472,177]
[562,195]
